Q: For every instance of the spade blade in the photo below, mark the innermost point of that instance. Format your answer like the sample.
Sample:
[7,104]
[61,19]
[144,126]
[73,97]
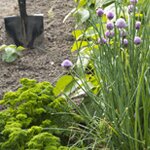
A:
[34,28]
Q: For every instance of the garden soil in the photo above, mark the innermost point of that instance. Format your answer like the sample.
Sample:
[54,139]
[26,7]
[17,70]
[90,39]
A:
[42,63]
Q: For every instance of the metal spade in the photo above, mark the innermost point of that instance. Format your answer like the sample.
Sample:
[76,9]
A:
[24,29]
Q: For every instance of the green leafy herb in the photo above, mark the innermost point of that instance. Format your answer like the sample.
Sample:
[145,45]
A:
[11,52]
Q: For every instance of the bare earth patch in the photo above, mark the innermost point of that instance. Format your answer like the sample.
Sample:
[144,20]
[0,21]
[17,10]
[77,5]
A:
[43,62]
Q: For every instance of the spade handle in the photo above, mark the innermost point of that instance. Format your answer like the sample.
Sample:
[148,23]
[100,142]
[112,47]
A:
[22,8]
[23,16]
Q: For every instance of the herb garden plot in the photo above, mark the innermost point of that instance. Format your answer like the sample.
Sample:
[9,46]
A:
[43,62]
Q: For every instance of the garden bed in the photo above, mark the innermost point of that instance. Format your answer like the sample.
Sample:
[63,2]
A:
[41,63]
[102,102]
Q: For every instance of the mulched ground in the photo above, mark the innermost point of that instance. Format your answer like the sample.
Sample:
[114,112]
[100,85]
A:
[43,62]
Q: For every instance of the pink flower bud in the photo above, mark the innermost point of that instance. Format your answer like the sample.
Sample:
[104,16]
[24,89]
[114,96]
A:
[102,41]
[137,40]
[110,15]
[100,12]
[137,25]
[121,23]
[66,64]
[125,42]
[110,25]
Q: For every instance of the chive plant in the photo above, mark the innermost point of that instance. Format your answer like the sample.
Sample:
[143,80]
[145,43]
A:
[119,58]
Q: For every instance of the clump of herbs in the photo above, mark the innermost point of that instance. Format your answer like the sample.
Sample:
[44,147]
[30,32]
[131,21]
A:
[112,72]
[34,118]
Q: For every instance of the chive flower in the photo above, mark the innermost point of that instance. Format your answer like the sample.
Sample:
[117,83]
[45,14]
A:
[125,42]
[133,1]
[121,23]
[66,64]
[109,34]
[130,8]
[102,41]
[110,15]
[123,33]
[137,40]
[110,25]
[137,25]
[100,12]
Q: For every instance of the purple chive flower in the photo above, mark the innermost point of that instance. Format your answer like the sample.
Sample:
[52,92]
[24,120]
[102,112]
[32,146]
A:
[102,41]
[133,1]
[123,33]
[109,34]
[100,12]
[137,25]
[66,64]
[130,8]
[125,42]
[110,25]
[121,23]
[137,40]
[110,15]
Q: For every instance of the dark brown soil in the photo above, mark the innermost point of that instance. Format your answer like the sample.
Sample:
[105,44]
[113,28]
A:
[43,62]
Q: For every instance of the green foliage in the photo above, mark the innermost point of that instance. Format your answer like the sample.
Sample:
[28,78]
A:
[34,118]
[61,84]
[113,78]
[10,52]
[85,10]
[82,15]
[81,12]
[44,140]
